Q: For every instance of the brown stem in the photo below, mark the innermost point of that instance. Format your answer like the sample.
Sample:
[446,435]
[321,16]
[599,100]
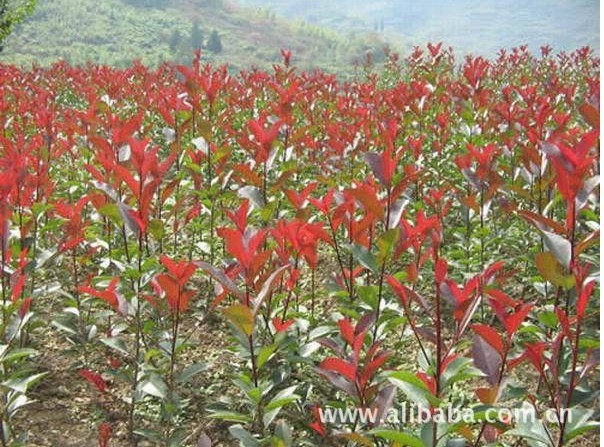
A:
[382,271]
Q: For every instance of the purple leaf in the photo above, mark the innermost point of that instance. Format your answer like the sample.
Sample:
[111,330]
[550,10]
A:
[222,278]
[375,163]
[383,402]
[129,221]
[266,287]
[364,323]
[428,333]
[204,441]
[331,344]
[338,381]
[486,359]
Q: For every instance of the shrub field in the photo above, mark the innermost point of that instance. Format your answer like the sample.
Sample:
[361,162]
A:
[196,257]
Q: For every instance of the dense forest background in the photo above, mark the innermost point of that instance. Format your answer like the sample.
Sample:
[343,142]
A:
[329,35]
[467,25]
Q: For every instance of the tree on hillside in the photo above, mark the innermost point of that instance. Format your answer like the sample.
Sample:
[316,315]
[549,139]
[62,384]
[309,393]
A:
[146,3]
[196,36]
[214,3]
[214,43]
[13,12]
[174,41]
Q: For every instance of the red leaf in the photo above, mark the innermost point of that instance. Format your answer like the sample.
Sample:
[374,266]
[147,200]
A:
[429,381]
[488,395]
[104,434]
[368,198]
[317,425]
[181,271]
[280,325]
[534,353]
[94,379]
[24,308]
[489,335]
[110,295]
[234,245]
[169,286]
[440,270]
[239,217]
[584,297]
[501,298]
[398,288]
[513,321]
[182,303]
[340,366]
[370,369]
[346,330]
[591,114]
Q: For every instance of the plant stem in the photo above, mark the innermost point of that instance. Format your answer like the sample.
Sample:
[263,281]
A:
[438,348]
[137,341]
[382,272]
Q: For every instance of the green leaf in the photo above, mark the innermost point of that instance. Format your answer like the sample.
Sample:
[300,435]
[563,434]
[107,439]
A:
[19,353]
[45,256]
[244,436]
[190,371]
[398,436]
[427,431]
[231,416]
[151,435]
[16,401]
[63,327]
[241,317]
[264,354]
[551,270]
[112,212]
[177,437]
[386,244]
[548,318]
[414,388]
[368,295]
[457,442]
[156,228]
[365,257]
[282,398]
[3,349]
[22,384]
[39,208]
[117,344]
[154,386]
[254,394]
[528,426]
[458,370]
[579,422]
[283,435]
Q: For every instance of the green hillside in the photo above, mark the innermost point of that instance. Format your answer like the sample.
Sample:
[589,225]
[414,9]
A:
[468,25]
[116,32]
